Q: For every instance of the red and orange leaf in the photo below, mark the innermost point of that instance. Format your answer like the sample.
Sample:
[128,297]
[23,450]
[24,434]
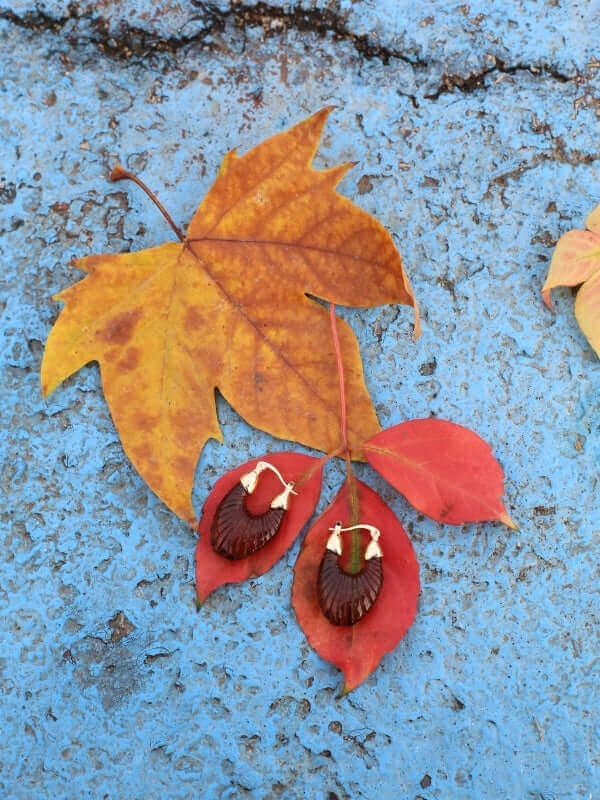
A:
[576,260]
[213,570]
[358,649]
[228,309]
[444,470]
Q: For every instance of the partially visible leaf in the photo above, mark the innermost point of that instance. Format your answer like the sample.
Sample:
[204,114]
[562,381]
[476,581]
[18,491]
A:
[576,260]
[592,222]
[587,310]
[445,470]
[357,649]
[213,570]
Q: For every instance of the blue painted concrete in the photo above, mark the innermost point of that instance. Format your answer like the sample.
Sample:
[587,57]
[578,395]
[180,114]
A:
[493,694]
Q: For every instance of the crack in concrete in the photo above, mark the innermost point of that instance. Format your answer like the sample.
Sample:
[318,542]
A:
[474,81]
[129,40]
[559,154]
[322,22]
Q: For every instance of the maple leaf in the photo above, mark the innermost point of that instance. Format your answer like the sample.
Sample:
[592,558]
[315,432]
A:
[227,308]
[576,260]
[357,649]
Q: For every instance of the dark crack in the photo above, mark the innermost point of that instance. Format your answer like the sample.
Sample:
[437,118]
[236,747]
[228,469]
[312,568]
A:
[322,22]
[558,153]
[123,41]
[476,80]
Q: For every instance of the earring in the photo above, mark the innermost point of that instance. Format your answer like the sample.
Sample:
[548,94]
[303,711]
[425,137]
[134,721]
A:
[346,598]
[237,533]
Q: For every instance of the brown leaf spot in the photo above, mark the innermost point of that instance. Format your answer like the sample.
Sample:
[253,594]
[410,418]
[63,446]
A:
[186,421]
[143,452]
[130,360]
[112,354]
[145,422]
[119,329]
[154,479]
[183,465]
[193,320]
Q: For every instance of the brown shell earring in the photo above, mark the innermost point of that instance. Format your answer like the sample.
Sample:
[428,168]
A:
[237,533]
[346,598]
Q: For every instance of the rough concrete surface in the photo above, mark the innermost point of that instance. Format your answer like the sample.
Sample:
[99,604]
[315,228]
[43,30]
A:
[476,128]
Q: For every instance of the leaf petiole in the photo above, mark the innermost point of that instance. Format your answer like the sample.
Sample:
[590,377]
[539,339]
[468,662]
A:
[119,173]
[355,562]
[319,465]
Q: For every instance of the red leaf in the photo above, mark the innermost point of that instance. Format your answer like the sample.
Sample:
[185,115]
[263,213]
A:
[357,649]
[445,470]
[213,570]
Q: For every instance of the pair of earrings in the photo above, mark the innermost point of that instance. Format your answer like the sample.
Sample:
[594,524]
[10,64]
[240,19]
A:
[237,533]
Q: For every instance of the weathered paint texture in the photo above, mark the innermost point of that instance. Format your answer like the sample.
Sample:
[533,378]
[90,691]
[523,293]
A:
[476,131]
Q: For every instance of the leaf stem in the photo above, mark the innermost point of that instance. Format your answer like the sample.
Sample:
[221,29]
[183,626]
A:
[355,552]
[119,173]
[340,369]
[306,476]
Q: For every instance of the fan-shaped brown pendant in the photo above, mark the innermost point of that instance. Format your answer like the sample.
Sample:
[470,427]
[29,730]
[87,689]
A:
[345,598]
[235,532]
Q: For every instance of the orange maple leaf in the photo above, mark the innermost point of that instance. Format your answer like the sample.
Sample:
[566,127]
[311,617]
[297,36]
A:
[227,308]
